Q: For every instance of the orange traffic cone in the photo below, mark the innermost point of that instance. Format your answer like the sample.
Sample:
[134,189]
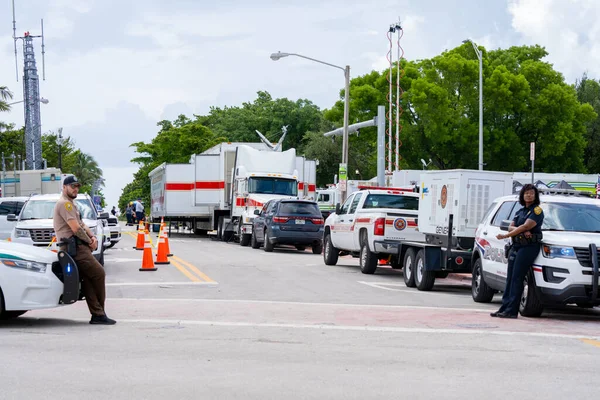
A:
[140,239]
[147,262]
[166,239]
[161,252]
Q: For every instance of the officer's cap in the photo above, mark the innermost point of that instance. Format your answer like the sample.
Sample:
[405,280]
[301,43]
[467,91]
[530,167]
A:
[70,180]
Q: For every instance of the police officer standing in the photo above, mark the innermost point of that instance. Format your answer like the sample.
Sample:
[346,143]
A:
[526,233]
[68,226]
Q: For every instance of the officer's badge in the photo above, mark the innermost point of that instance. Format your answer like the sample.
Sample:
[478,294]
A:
[537,210]
[69,206]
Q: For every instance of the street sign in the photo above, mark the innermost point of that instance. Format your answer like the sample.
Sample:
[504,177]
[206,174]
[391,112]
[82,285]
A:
[343,172]
[532,151]
[342,186]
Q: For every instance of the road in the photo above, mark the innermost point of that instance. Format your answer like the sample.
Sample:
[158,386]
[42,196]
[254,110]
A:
[229,322]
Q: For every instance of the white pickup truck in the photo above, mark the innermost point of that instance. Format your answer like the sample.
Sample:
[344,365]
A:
[371,224]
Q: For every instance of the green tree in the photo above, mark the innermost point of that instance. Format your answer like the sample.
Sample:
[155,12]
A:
[588,91]
[5,95]
[85,168]
[50,151]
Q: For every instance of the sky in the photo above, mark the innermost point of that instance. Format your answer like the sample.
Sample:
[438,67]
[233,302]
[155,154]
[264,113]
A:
[114,68]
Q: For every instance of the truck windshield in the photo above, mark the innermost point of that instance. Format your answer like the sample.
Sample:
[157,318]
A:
[44,209]
[391,201]
[266,185]
[571,217]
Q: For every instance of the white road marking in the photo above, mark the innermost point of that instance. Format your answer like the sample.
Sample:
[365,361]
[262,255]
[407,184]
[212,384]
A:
[121,260]
[386,329]
[382,285]
[483,310]
[160,283]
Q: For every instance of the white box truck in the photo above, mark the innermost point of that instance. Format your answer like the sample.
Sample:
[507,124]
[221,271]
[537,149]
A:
[451,205]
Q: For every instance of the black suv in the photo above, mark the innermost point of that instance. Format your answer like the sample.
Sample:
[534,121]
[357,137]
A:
[289,222]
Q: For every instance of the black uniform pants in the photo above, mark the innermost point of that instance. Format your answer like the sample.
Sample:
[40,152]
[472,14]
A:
[520,260]
[93,276]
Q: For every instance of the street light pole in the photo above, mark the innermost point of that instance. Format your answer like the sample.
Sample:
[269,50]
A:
[279,55]
[480,101]
[59,149]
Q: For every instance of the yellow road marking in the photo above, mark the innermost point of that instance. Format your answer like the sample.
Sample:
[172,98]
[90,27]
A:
[193,268]
[185,271]
[592,342]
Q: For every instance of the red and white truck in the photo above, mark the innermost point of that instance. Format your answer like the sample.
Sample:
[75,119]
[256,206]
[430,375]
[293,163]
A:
[220,188]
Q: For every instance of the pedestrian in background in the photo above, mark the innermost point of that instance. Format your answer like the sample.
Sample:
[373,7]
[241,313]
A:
[139,210]
[129,214]
[525,232]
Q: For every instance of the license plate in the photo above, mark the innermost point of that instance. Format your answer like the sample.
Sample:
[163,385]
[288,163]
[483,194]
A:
[300,221]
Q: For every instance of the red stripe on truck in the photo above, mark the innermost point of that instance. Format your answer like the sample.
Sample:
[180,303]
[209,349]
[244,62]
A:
[179,186]
[210,185]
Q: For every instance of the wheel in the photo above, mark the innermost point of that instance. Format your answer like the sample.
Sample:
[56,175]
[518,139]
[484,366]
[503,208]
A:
[4,315]
[330,253]
[220,229]
[480,291]
[268,246]
[244,239]
[300,248]
[424,280]
[368,259]
[530,306]
[317,248]
[253,242]
[409,268]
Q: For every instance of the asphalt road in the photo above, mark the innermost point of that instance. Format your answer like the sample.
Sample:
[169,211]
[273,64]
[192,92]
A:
[227,322]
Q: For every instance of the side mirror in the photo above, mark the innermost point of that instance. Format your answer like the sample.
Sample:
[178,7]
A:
[11,217]
[103,215]
[504,225]
[338,208]
[256,212]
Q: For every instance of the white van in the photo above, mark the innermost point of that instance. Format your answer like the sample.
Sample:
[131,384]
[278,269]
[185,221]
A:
[34,226]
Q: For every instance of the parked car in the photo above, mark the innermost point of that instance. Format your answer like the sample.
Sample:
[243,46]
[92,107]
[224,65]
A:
[288,222]
[33,278]
[9,205]
[564,272]
[34,226]
[115,230]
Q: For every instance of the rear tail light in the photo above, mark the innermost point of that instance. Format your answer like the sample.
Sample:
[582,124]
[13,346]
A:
[280,220]
[379,227]
[318,221]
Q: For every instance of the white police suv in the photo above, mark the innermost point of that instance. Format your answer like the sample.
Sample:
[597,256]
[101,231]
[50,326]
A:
[566,269]
[32,278]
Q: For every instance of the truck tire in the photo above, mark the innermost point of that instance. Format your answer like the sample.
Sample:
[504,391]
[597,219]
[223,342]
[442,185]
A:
[253,242]
[317,248]
[268,245]
[220,228]
[409,268]
[330,253]
[424,280]
[530,306]
[368,259]
[244,239]
[480,290]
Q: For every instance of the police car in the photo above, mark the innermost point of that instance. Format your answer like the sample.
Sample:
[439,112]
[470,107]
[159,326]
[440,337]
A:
[33,278]
[566,269]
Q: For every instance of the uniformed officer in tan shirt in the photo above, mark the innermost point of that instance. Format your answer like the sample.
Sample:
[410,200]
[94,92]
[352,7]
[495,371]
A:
[68,224]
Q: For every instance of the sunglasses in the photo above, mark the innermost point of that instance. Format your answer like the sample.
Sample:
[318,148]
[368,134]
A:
[75,185]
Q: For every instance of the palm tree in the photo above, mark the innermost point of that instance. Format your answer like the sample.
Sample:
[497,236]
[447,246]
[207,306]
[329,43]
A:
[85,168]
[5,95]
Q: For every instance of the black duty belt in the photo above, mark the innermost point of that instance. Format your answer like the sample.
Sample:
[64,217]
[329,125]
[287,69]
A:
[523,241]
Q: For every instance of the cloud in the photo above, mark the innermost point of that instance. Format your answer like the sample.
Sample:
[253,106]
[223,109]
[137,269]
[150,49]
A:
[568,29]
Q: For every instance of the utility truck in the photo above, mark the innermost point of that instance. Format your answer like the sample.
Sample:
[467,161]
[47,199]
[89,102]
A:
[220,189]
[29,182]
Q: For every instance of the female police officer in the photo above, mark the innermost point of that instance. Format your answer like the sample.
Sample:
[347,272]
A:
[526,233]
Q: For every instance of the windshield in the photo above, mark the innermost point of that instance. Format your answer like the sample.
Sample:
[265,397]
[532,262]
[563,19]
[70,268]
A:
[44,209]
[571,217]
[391,201]
[287,187]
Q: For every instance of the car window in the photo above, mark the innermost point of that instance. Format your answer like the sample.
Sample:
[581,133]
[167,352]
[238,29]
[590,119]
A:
[303,208]
[488,212]
[514,211]
[44,209]
[391,201]
[571,217]
[355,203]
[5,209]
[503,213]
[346,206]
[324,197]
[271,208]
[264,209]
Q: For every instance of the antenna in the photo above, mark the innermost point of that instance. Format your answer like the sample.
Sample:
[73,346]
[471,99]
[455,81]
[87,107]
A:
[15,40]
[43,52]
